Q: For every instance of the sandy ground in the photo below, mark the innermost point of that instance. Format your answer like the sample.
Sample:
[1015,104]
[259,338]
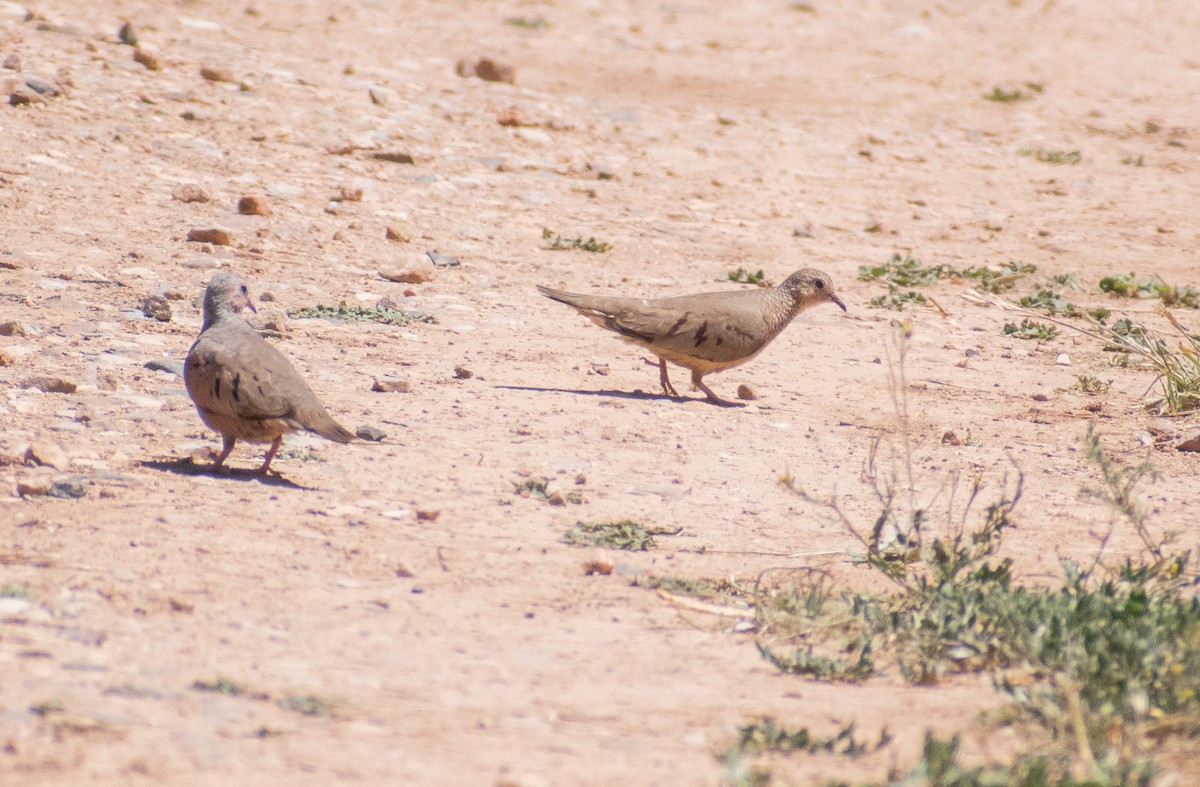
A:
[467,645]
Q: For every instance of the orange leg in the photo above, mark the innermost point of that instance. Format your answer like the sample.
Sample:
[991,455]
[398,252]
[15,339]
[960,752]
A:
[230,442]
[712,397]
[274,449]
[663,378]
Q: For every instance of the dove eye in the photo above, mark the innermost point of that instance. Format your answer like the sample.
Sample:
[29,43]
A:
[819,284]
[244,290]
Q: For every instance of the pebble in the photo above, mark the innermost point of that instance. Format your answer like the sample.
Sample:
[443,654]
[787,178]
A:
[51,384]
[13,328]
[381,96]
[394,157]
[217,74]
[189,192]
[148,57]
[156,306]
[67,490]
[746,392]
[370,433]
[47,455]
[427,515]
[1189,443]
[168,365]
[5,359]
[1063,359]
[494,71]
[254,205]
[213,235]
[34,486]
[15,11]
[127,35]
[12,62]
[804,230]
[950,438]
[414,275]
[442,259]
[534,135]
[399,231]
[349,194]
[390,386]
[463,373]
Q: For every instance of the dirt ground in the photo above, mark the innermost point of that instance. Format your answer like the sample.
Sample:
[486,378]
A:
[449,634]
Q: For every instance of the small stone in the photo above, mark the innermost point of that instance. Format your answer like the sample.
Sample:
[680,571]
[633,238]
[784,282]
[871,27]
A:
[381,96]
[127,35]
[148,57]
[5,359]
[213,235]
[12,62]
[254,205]
[156,306]
[42,87]
[370,433]
[189,192]
[47,455]
[173,294]
[390,386]
[13,328]
[950,438]
[272,319]
[33,487]
[1144,438]
[557,499]
[349,194]
[167,365]
[427,515]
[399,231]
[415,275]
[463,373]
[492,71]
[51,384]
[217,74]
[442,259]
[746,392]
[1063,359]
[1189,443]
[804,230]
[67,490]
[511,117]
[403,572]
[394,157]
[1040,397]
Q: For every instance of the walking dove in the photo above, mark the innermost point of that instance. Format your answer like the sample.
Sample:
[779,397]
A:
[708,332]
[243,387]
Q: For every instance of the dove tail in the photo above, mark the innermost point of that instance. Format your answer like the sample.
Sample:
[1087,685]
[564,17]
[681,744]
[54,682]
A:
[330,429]
[568,298]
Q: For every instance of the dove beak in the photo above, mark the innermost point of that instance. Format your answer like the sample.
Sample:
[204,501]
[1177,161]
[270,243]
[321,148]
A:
[837,300]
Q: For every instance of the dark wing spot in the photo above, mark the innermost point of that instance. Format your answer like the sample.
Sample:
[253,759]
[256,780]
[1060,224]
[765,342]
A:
[217,387]
[720,341]
[679,324]
[237,381]
[261,392]
[702,333]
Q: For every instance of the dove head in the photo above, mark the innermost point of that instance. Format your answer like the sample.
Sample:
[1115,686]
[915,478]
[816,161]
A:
[227,294]
[808,287]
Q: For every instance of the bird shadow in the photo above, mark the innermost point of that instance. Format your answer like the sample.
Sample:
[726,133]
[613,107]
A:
[615,394]
[185,466]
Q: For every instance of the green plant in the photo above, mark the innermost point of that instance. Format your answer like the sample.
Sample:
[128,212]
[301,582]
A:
[528,22]
[14,590]
[1030,329]
[1090,664]
[743,276]
[1178,366]
[308,704]
[557,242]
[1050,302]
[999,279]
[220,686]
[538,487]
[345,313]
[896,299]
[1052,156]
[1002,96]
[1090,384]
[905,271]
[1134,161]
[625,534]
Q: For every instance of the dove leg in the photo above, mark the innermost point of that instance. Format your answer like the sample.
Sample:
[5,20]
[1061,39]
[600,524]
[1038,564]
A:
[712,397]
[229,443]
[274,449]
[665,379]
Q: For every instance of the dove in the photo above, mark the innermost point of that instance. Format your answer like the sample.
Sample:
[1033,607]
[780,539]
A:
[708,332]
[243,387]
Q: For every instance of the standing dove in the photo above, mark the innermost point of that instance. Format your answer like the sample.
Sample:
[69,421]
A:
[243,387]
[708,332]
